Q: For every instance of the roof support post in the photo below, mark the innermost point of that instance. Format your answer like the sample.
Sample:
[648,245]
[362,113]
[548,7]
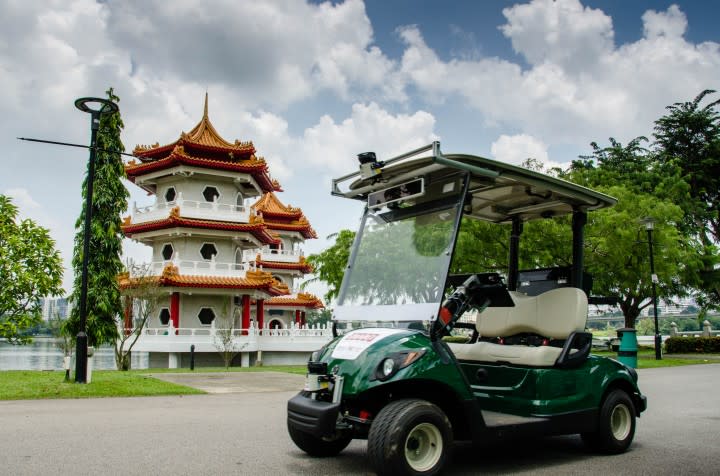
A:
[579,219]
[260,314]
[175,310]
[514,256]
[245,320]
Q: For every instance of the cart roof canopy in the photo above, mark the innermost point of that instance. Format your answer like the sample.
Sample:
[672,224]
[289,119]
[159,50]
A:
[499,191]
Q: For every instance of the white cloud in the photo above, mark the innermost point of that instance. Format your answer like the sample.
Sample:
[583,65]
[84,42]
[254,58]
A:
[578,87]
[269,53]
[334,146]
[671,23]
[21,198]
[562,32]
[518,148]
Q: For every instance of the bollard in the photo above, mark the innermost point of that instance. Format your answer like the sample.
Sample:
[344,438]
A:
[90,363]
[192,357]
[66,366]
[627,353]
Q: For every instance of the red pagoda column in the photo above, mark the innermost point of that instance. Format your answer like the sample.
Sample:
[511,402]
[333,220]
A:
[245,324]
[260,313]
[175,310]
[297,317]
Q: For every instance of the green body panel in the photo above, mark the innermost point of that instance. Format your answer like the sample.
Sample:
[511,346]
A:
[523,391]
[359,373]
[542,392]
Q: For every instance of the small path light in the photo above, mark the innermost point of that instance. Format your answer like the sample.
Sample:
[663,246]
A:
[649,223]
[96,107]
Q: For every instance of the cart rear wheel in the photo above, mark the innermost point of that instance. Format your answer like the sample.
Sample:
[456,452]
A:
[409,437]
[616,425]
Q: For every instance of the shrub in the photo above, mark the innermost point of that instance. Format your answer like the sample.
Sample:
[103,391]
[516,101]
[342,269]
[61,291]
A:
[692,345]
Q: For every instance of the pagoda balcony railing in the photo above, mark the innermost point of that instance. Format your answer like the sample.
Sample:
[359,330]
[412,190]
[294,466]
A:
[295,338]
[201,210]
[268,254]
[203,268]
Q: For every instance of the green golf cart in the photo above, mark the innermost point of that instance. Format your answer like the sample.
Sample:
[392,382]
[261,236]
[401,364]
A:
[525,367]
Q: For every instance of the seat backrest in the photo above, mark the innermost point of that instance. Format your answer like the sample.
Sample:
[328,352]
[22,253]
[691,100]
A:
[555,314]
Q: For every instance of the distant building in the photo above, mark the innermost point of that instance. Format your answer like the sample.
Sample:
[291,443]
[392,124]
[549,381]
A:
[53,308]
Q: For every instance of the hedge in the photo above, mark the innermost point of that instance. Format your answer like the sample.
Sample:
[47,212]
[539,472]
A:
[692,345]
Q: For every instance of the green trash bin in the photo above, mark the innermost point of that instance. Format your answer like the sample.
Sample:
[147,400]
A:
[627,353]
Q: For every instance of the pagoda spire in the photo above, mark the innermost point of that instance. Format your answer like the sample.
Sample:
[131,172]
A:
[205,110]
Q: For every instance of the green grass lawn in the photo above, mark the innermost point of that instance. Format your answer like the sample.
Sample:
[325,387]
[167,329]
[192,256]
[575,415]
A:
[646,359]
[33,384]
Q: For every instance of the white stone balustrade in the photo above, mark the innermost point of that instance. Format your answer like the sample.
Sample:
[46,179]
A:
[200,210]
[202,268]
[268,254]
[292,339]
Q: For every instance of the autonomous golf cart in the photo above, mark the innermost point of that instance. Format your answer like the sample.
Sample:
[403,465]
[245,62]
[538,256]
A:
[390,377]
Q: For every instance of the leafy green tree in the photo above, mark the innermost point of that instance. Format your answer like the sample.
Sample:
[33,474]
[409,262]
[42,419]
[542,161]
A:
[109,201]
[329,265]
[688,137]
[30,268]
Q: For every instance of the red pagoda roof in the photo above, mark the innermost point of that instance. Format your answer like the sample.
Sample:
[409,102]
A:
[302,265]
[301,300]
[202,147]
[256,226]
[278,216]
[170,277]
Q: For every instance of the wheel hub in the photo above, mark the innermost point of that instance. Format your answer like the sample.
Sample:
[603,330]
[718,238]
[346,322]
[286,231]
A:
[423,447]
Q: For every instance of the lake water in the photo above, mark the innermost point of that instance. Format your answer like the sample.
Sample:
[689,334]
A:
[44,354]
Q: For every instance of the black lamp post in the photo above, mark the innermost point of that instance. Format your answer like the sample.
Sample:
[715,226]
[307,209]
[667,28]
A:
[649,225]
[101,106]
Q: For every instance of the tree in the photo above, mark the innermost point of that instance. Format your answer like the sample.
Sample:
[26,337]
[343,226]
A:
[617,251]
[224,339]
[109,201]
[30,268]
[688,137]
[329,265]
[141,298]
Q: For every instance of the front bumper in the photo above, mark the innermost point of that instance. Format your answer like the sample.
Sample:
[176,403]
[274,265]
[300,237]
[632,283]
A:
[640,403]
[315,417]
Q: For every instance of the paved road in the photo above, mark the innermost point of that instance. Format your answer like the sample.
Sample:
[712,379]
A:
[244,433]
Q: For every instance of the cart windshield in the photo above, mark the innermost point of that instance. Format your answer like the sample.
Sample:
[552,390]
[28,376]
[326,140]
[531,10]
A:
[400,261]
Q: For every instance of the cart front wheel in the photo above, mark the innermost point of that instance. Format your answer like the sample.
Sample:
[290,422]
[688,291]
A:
[409,437]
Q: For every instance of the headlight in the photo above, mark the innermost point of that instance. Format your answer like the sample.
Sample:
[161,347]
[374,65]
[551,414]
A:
[388,366]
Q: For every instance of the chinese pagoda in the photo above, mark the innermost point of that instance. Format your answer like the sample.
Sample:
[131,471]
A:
[225,248]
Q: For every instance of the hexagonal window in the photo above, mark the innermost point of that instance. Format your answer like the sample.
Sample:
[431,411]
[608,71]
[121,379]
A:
[208,250]
[164,316]
[210,194]
[167,252]
[206,316]
[170,194]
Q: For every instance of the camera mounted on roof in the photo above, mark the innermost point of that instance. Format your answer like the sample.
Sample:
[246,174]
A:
[369,165]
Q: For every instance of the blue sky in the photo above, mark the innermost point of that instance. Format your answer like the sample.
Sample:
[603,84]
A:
[313,84]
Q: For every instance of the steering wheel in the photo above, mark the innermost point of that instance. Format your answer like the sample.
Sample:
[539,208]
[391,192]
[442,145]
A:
[473,292]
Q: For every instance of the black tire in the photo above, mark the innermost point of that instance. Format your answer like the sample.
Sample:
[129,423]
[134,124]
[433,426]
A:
[615,426]
[319,447]
[410,437]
